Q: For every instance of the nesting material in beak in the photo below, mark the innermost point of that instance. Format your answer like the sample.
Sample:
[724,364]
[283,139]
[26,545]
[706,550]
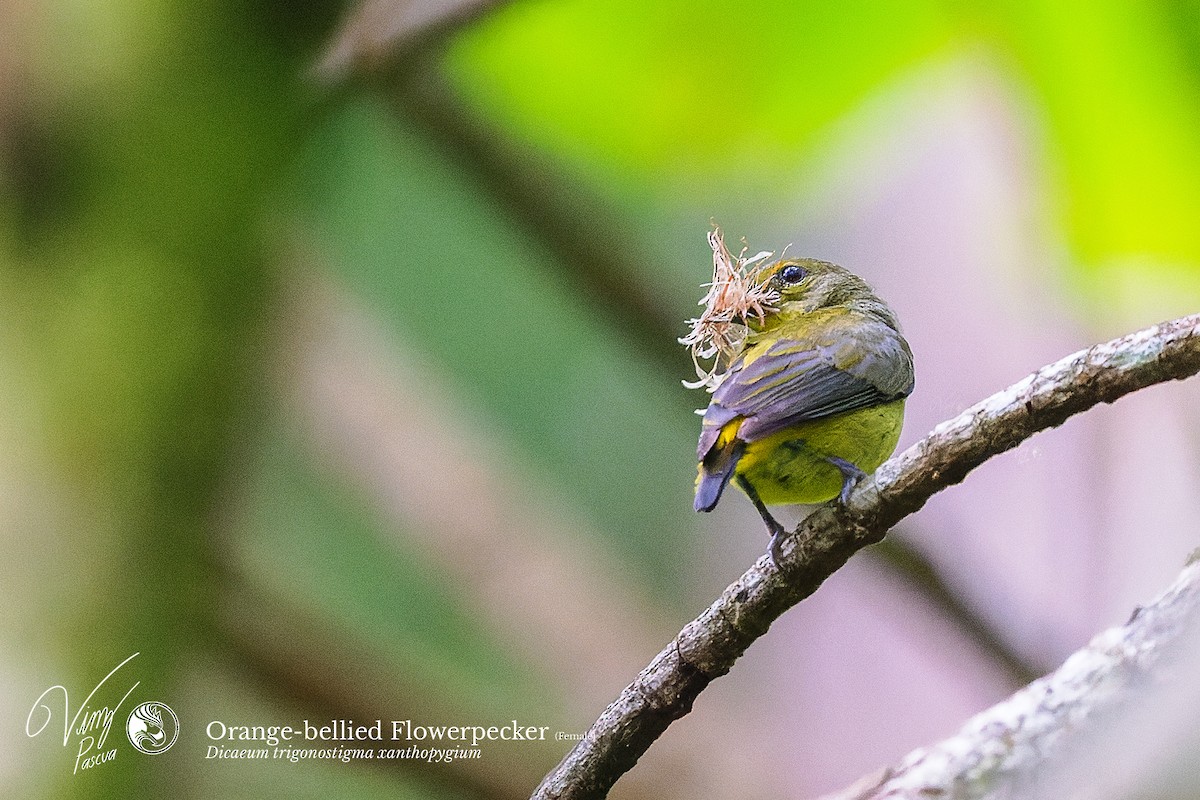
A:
[738,291]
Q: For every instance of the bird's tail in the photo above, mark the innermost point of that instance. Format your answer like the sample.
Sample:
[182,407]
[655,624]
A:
[714,473]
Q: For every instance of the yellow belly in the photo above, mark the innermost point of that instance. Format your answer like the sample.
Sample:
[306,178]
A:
[791,466]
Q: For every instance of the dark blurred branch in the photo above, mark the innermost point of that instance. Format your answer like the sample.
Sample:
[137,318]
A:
[531,191]
[922,578]
[271,644]
[381,32]
[577,229]
[999,751]
[708,646]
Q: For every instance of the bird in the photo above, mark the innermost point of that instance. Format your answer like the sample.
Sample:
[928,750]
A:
[813,401]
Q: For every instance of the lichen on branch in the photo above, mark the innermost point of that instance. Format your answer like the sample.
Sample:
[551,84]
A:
[999,751]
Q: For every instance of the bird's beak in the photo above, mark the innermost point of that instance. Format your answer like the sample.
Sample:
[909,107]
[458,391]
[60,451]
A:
[752,321]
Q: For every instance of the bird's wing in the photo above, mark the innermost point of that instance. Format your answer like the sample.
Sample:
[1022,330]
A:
[851,362]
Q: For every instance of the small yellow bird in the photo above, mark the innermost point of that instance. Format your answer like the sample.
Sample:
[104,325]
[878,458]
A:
[815,398]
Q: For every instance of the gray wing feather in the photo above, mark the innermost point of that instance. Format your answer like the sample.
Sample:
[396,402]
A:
[803,380]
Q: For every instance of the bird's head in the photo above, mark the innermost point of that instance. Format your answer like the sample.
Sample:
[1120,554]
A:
[804,285]
[753,294]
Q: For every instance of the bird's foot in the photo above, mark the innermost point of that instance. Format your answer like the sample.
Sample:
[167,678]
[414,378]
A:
[775,547]
[851,475]
[776,530]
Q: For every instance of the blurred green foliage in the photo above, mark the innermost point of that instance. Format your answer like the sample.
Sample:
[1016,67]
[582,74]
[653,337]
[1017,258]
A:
[687,93]
[408,232]
[136,264]
[654,92]
[149,195]
[314,546]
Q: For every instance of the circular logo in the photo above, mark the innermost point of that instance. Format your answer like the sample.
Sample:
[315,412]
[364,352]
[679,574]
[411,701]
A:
[152,728]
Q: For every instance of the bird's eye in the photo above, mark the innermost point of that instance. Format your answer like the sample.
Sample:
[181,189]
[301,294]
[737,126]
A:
[792,274]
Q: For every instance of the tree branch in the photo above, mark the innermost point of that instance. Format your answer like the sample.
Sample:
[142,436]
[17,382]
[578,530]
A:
[402,65]
[1004,745]
[708,646]
[379,32]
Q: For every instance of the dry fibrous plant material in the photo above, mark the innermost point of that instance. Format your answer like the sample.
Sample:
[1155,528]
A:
[738,291]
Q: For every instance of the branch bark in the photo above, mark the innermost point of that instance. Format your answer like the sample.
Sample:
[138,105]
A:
[999,750]
[708,646]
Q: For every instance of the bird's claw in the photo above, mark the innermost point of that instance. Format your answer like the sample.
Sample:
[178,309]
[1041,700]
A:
[851,477]
[774,548]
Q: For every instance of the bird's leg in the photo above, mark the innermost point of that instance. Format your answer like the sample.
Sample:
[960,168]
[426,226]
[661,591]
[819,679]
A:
[773,527]
[851,475]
